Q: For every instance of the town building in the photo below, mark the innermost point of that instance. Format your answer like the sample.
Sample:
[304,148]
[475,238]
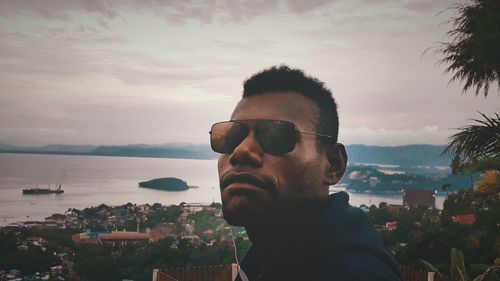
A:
[468,219]
[116,238]
[419,197]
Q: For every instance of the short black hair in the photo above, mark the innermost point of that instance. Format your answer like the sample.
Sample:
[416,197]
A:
[282,78]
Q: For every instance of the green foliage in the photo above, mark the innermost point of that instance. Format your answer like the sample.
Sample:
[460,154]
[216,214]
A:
[130,225]
[8,243]
[473,54]
[430,267]
[430,235]
[94,263]
[203,220]
[380,215]
[490,272]
[458,272]
[30,260]
[58,238]
[406,155]
[216,205]
[445,186]
[97,263]
[457,266]
[431,245]
[459,203]
[397,182]
[476,147]
[170,184]
[98,212]
[160,214]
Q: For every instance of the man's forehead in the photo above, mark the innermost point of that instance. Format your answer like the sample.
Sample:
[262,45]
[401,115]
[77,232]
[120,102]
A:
[287,106]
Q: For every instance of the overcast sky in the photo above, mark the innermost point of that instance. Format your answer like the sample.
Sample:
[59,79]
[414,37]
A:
[154,72]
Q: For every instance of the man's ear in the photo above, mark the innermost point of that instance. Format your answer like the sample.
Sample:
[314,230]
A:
[337,160]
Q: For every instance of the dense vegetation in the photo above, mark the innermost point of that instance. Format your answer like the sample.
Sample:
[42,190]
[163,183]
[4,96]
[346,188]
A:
[96,263]
[169,184]
[366,178]
[31,258]
[428,234]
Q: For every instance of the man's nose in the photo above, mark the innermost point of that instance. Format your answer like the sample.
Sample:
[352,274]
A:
[248,152]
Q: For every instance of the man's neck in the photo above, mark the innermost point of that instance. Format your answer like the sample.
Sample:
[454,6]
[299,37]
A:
[279,233]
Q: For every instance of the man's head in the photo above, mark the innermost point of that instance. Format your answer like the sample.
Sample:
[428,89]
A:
[275,166]
[284,79]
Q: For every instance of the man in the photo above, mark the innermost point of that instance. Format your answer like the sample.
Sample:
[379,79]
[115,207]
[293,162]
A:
[279,155]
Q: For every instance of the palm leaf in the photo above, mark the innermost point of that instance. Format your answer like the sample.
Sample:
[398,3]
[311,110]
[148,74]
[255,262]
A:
[473,55]
[430,267]
[476,145]
[457,265]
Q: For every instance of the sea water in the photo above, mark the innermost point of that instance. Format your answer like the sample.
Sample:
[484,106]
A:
[93,180]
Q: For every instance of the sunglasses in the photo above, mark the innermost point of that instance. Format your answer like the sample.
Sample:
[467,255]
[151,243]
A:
[274,136]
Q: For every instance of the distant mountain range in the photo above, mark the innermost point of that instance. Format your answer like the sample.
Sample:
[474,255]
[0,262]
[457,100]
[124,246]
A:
[370,178]
[185,151]
[407,155]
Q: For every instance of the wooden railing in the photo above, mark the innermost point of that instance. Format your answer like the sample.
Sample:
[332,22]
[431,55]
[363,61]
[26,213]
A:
[413,274]
[228,272]
[197,273]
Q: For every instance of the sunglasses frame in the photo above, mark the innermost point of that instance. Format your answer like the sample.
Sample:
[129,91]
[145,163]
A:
[244,121]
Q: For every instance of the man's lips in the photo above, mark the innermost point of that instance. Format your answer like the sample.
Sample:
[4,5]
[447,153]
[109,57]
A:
[245,181]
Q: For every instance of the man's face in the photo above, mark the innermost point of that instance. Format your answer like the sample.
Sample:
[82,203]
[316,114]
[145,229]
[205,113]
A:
[254,184]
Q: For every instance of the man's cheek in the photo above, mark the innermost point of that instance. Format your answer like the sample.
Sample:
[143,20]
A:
[221,163]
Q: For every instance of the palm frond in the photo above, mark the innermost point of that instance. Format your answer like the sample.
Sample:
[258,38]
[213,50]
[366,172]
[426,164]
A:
[482,139]
[476,147]
[457,265]
[473,55]
[430,266]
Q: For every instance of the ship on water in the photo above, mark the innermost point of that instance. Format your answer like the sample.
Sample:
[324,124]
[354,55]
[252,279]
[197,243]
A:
[36,190]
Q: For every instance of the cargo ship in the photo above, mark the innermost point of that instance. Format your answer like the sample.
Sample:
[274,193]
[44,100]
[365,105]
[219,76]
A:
[36,190]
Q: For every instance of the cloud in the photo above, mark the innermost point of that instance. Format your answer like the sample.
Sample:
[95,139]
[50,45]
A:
[62,58]
[173,11]
[301,6]
[58,9]
[420,6]
[108,120]
[425,6]
[38,135]
[363,135]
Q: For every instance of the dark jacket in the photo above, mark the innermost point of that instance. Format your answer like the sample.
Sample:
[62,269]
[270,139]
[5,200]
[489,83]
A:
[343,246]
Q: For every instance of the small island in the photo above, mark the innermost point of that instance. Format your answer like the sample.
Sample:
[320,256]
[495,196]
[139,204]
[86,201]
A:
[168,184]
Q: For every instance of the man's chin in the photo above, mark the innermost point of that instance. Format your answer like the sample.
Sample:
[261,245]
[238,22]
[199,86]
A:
[245,215]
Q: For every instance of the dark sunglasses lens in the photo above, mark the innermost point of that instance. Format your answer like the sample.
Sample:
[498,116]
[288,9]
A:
[226,136]
[276,137]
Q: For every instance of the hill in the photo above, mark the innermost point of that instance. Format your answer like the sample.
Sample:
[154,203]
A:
[184,151]
[168,184]
[369,178]
[407,155]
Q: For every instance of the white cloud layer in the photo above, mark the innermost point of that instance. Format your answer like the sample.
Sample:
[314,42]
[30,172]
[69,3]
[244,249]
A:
[368,136]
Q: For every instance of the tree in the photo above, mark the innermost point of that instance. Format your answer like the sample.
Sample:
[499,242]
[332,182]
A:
[476,147]
[458,272]
[473,54]
[490,272]
[94,263]
[457,266]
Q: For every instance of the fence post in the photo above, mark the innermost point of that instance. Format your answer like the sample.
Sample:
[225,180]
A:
[430,276]
[234,271]
[155,274]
